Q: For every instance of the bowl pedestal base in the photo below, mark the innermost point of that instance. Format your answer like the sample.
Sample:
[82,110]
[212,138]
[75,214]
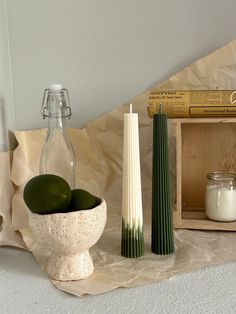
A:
[70,267]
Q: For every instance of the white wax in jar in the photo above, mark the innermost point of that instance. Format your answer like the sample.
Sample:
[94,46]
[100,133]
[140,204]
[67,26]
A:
[220,203]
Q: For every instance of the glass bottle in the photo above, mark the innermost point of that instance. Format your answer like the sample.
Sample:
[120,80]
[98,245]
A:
[220,198]
[57,155]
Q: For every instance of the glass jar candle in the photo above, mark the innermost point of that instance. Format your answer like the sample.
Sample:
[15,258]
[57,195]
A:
[220,198]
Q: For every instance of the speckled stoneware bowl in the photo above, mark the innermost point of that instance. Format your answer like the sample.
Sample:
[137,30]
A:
[68,237]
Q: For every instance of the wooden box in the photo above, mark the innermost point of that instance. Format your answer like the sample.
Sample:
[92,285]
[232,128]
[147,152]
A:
[202,146]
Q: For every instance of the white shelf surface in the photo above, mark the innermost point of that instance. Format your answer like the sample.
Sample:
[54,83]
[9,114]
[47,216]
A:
[25,288]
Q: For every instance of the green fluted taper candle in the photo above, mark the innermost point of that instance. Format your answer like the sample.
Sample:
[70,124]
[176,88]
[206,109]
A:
[162,213]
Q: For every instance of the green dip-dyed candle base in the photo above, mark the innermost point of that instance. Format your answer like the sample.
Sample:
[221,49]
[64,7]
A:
[132,241]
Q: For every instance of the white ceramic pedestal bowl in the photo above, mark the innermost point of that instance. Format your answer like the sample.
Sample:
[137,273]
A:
[68,237]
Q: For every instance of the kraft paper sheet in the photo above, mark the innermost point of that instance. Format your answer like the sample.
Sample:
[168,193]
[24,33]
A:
[98,149]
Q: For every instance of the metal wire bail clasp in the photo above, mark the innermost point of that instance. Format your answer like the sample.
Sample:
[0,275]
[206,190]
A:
[44,108]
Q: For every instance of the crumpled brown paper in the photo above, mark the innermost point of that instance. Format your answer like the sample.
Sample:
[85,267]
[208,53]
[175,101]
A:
[98,149]
[8,233]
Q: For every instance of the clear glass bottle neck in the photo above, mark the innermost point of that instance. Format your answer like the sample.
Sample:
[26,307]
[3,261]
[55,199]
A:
[57,123]
[56,105]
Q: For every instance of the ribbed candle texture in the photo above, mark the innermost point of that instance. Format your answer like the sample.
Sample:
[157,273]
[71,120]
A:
[132,241]
[162,212]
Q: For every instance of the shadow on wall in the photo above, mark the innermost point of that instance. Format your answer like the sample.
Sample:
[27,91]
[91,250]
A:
[7,137]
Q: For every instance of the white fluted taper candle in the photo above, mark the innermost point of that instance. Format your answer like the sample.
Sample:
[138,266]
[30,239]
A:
[132,212]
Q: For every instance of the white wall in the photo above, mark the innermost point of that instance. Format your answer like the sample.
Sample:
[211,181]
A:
[7,117]
[104,51]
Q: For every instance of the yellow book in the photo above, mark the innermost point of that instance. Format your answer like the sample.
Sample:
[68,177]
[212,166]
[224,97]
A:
[193,103]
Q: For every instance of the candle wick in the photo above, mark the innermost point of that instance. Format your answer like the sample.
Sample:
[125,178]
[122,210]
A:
[130,108]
